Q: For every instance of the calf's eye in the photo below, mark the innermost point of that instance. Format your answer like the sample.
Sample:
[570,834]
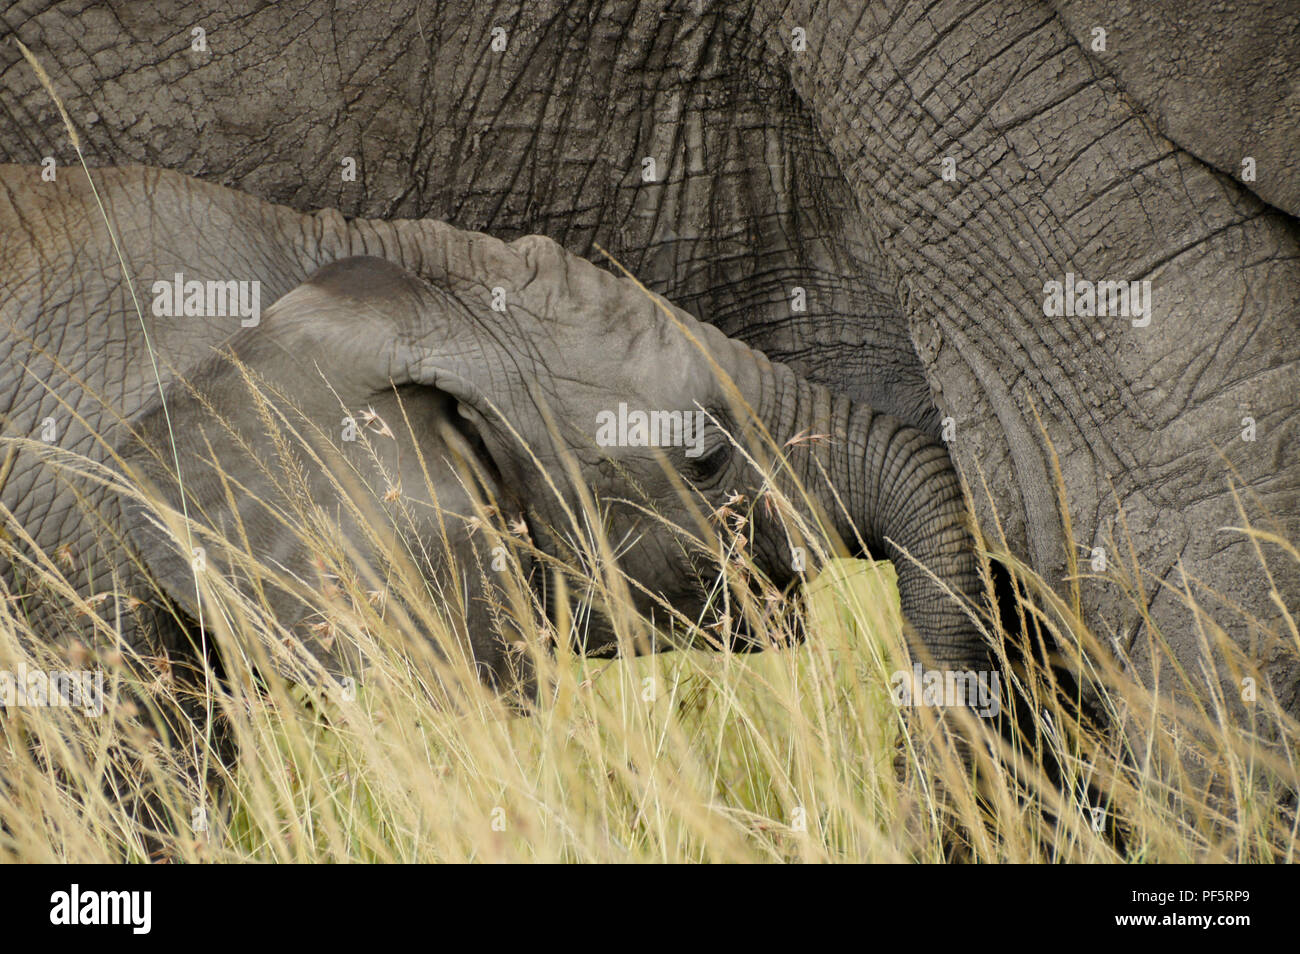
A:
[711,463]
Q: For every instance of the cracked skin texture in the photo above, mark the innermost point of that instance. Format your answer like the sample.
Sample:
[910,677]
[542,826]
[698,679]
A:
[821,169]
[1059,172]
[544,138]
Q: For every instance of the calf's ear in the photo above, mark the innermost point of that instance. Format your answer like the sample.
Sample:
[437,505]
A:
[252,446]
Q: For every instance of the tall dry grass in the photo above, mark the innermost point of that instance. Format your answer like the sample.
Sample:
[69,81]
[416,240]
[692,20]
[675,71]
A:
[797,753]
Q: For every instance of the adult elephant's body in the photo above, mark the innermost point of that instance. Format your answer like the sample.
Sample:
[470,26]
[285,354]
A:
[821,168]
[1057,172]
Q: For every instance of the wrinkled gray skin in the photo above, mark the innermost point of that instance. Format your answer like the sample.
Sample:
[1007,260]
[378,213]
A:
[821,169]
[415,325]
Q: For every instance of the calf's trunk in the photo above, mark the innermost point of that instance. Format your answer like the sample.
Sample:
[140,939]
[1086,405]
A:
[899,494]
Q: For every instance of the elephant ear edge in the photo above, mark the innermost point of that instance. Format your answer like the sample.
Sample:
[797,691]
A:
[173,559]
[159,551]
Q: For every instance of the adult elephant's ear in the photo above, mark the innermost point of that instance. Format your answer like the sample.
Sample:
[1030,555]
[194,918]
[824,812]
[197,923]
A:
[252,446]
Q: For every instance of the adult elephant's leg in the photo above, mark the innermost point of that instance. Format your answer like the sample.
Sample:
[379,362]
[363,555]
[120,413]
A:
[1056,173]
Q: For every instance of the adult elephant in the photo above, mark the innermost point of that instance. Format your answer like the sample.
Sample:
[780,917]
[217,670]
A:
[749,159]
[519,367]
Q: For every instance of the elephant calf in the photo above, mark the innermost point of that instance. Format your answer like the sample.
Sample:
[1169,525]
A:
[515,371]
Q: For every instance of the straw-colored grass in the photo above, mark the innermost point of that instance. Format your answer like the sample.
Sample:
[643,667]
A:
[797,753]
